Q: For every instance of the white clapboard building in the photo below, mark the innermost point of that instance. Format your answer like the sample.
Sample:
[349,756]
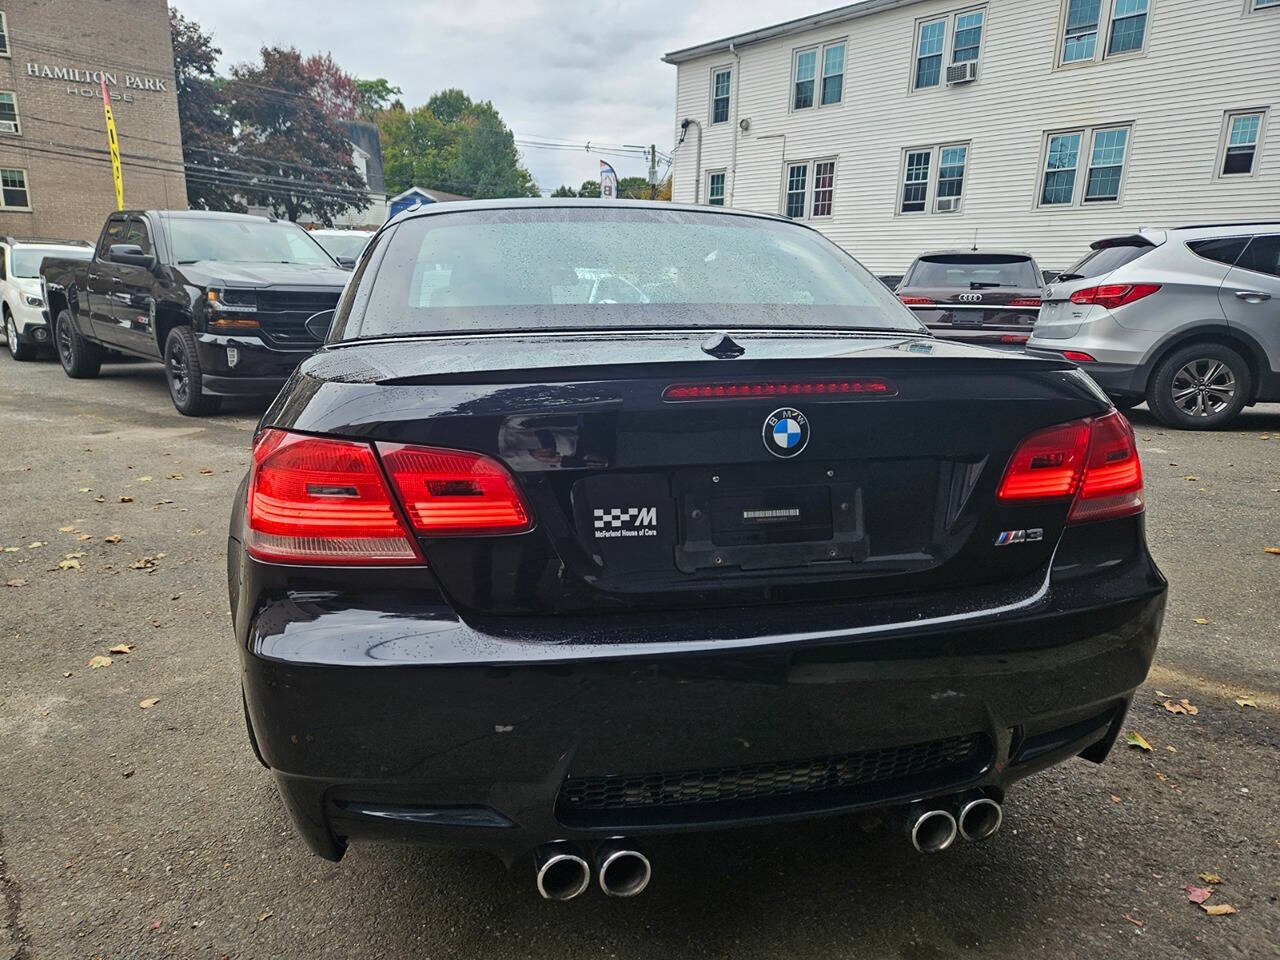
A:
[896,126]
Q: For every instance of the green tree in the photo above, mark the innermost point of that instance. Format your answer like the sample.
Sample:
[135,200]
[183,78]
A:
[374,95]
[452,143]
[563,191]
[589,188]
[298,156]
[633,188]
[208,135]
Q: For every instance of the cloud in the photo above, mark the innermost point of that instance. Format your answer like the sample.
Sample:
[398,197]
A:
[580,72]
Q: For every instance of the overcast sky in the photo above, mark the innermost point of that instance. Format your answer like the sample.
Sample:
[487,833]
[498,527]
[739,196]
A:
[553,69]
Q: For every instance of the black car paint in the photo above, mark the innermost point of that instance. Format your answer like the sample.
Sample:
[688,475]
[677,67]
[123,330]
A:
[130,308]
[452,703]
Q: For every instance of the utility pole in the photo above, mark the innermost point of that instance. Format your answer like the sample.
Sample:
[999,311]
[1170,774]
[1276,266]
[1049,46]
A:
[653,171]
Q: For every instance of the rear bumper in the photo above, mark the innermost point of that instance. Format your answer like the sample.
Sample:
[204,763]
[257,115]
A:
[1117,379]
[259,370]
[408,723]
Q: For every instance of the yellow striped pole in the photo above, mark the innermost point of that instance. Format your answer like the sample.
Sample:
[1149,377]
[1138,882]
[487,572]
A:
[114,144]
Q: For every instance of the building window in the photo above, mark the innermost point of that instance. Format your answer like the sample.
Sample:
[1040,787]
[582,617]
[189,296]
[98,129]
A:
[720,95]
[1106,148]
[1242,134]
[1106,165]
[4,35]
[967,40]
[1083,21]
[1060,169]
[1262,4]
[929,53]
[933,171]
[915,182]
[715,188]
[806,66]
[1128,26]
[13,189]
[824,187]
[832,73]
[810,185]
[831,56]
[797,176]
[9,113]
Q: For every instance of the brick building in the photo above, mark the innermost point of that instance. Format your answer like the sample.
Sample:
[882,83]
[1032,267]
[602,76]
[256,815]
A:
[55,172]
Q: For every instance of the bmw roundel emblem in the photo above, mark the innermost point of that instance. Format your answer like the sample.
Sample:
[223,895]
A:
[786,432]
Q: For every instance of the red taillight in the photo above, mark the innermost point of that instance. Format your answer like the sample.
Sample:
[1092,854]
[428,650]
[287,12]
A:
[863,386]
[1024,302]
[1014,338]
[1112,295]
[1094,462]
[1078,356]
[449,493]
[911,301]
[316,500]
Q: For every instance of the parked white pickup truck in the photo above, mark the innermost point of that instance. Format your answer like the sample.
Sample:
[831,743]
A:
[22,305]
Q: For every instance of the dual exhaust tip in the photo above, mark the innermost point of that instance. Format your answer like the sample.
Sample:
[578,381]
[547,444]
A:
[562,873]
[934,828]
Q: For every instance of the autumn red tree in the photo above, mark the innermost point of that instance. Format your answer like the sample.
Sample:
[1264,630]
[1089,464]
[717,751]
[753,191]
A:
[332,87]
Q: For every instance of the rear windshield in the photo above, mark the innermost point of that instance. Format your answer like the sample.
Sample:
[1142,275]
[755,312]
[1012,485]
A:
[560,267]
[1102,261]
[243,241]
[27,260]
[973,270]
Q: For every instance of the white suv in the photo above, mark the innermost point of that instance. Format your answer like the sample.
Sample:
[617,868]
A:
[22,307]
[1187,319]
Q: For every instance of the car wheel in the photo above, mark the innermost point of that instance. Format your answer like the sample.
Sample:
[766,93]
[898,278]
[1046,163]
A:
[1200,387]
[80,359]
[186,382]
[17,349]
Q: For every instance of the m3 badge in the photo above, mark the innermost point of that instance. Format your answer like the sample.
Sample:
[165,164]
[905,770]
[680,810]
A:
[1007,538]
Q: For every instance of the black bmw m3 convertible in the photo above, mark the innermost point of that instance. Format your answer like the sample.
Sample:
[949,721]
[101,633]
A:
[593,520]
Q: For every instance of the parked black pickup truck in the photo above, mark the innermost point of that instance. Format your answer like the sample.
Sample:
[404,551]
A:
[221,299]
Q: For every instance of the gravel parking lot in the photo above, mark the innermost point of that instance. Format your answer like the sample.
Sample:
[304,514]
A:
[131,832]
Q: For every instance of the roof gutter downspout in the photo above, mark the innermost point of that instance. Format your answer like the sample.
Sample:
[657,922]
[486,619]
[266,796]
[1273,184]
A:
[697,163]
[733,156]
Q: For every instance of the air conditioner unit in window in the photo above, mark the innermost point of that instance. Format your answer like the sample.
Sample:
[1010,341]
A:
[962,72]
[948,204]
[8,126]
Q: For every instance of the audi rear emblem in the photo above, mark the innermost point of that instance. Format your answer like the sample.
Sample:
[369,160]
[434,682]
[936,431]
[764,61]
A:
[970,298]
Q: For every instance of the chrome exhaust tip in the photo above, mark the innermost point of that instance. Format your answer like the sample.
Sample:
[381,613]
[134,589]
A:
[933,831]
[561,874]
[621,870]
[980,818]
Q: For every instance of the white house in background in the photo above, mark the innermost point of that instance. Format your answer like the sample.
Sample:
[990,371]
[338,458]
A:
[895,126]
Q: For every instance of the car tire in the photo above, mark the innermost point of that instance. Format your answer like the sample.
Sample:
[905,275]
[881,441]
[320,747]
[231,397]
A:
[80,358]
[1200,387]
[17,349]
[186,381]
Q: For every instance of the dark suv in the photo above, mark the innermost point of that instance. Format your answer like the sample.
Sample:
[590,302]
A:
[976,296]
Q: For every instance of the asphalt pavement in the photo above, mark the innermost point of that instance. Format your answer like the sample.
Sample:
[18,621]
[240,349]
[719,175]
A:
[152,832]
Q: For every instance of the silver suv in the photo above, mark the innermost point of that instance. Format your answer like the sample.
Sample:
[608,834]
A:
[1187,319]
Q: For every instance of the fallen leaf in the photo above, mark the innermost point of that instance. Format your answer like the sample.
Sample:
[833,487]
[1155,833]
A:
[1208,877]
[1240,701]
[85,489]
[1134,920]
[264,916]
[99,499]
[99,661]
[1161,693]
[144,479]
[148,703]
[1186,705]
[1135,739]
[1172,749]
[16,582]
[1197,894]
[71,564]
[1174,707]
[66,673]
[205,470]
[122,648]
[1115,799]
[1218,909]
[176,476]
[1200,620]
[114,538]
[74,556]
[1274,551]
[12,549]
[1191,478]
[69,529]
[85,536]
[146,563]
[126,499]
[36,544]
